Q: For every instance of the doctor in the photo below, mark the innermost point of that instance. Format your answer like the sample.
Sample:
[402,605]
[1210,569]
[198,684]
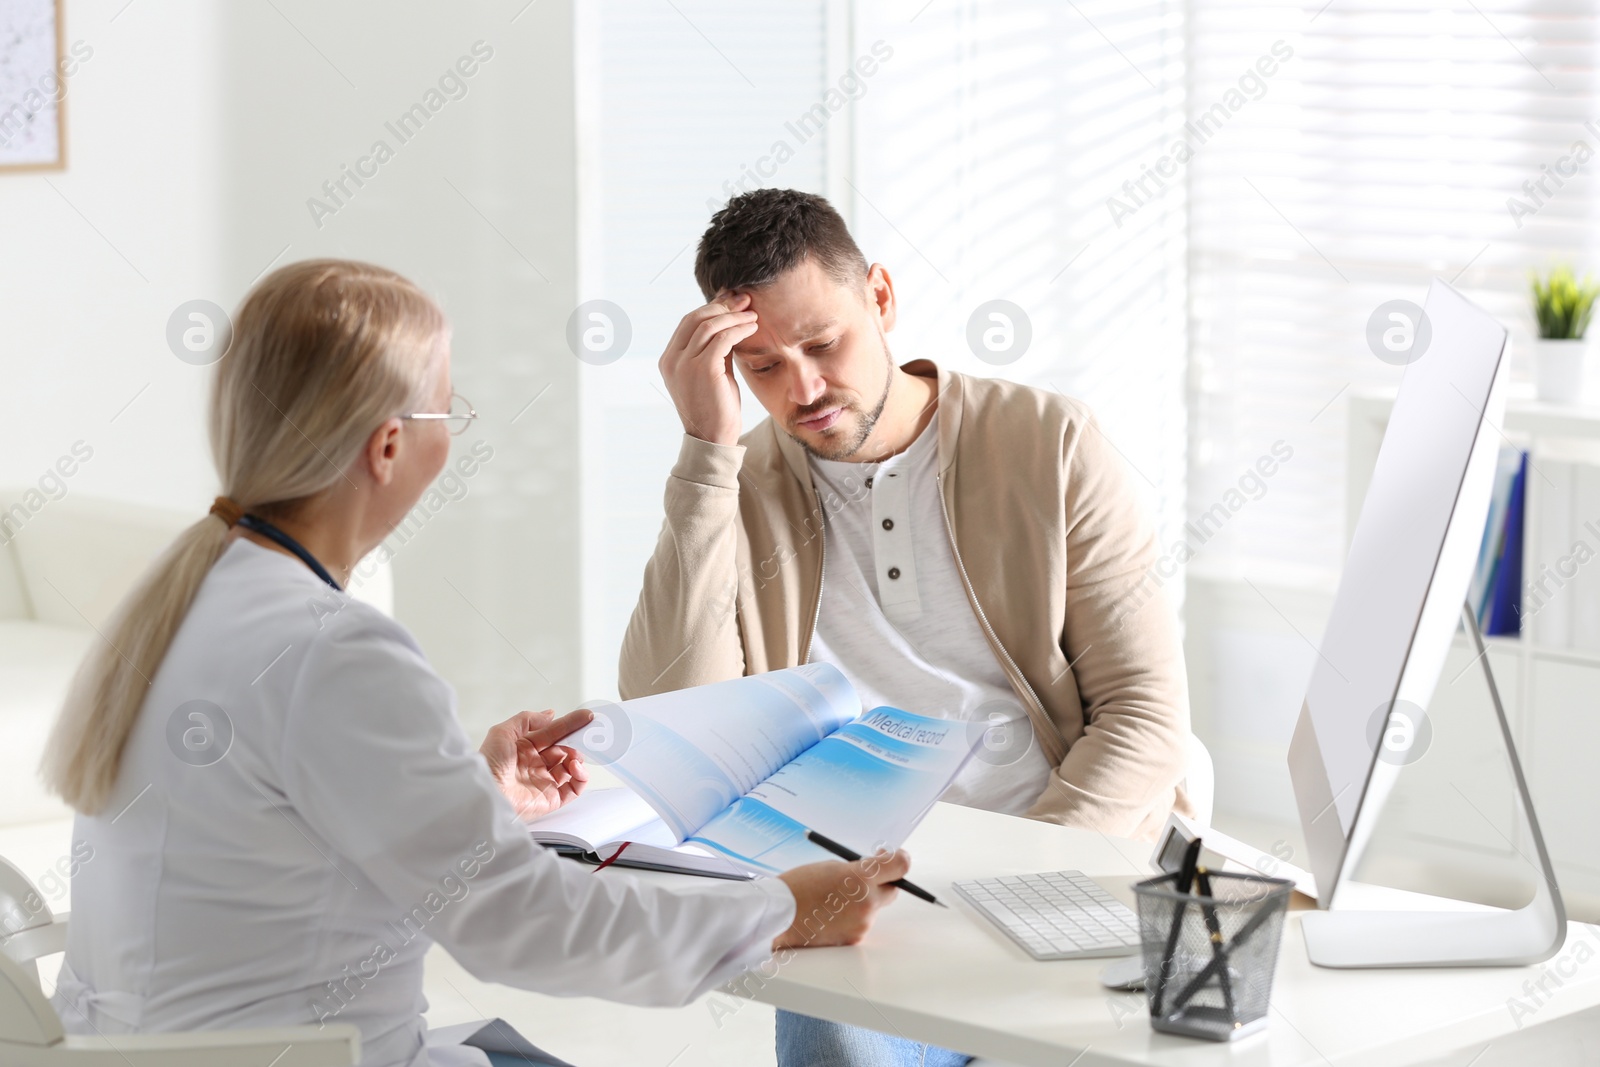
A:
[283,809]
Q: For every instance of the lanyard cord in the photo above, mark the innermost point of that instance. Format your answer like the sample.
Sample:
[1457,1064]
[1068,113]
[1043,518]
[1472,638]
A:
[272,533]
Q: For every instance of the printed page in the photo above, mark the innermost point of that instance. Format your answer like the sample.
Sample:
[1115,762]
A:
[693,752]
[867,787]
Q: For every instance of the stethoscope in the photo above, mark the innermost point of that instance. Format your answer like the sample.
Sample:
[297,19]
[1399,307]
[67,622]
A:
[272,533]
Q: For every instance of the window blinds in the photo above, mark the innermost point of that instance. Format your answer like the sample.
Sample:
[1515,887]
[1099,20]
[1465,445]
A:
[985,154]
[1397,142]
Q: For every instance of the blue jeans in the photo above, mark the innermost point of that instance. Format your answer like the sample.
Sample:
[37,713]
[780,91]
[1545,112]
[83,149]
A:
[807,1042]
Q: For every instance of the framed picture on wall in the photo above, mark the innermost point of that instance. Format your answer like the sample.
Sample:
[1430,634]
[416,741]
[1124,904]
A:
[33,132]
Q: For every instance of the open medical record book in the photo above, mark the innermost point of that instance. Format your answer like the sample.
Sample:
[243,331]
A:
[725,779]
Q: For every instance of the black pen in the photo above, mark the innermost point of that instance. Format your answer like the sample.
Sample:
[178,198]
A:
[851,856]
[1182,882]
[1202,879]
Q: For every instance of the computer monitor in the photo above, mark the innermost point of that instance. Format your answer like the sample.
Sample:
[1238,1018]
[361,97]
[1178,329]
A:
[1399,601]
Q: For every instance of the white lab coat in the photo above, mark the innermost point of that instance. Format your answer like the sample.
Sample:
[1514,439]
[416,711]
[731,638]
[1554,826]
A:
[349,824]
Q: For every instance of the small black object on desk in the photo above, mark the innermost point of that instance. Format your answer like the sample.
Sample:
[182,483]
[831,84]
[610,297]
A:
[1185,878]
[1202,982]
[1192,875]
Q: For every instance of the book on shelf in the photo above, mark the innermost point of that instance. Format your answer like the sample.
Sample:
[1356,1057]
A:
[1489,552]
[1504,614]
[1491,587]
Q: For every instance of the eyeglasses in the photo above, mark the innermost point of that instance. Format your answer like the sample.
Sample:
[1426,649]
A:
[459,415]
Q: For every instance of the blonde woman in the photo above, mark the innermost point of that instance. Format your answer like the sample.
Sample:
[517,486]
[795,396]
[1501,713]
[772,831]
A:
[283,808]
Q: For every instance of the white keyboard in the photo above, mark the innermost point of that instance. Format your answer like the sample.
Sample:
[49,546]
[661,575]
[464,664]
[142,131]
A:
[1058,915]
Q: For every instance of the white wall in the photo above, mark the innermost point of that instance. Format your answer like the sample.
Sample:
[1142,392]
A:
[197,134]
[1250,652]
[478,207]
[94,258]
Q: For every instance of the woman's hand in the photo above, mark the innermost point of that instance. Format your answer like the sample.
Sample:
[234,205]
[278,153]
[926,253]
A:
[834,903]
[536,774]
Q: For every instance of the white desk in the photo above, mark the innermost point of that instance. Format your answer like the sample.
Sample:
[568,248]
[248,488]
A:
[949,978]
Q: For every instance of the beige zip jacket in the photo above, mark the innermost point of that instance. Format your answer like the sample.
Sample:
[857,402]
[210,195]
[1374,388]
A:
[1056,552]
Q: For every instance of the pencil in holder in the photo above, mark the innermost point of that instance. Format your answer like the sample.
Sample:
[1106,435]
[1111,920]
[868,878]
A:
[1209,957]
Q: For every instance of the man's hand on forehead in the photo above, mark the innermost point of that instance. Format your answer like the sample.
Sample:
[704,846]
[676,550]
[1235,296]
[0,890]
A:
[698,367]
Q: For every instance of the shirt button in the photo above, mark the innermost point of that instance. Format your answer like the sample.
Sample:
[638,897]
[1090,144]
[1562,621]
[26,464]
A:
[869,483]
[894,572]
[888,524]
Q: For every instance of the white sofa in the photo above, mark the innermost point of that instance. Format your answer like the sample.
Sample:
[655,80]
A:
[64,567]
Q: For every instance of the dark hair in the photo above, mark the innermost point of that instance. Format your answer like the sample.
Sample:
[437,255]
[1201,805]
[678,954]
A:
[759,235]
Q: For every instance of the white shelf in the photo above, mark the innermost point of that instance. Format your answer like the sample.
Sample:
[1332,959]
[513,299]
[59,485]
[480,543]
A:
[1524,415]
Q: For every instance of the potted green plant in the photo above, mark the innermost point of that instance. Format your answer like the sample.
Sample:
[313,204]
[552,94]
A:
[1562,305]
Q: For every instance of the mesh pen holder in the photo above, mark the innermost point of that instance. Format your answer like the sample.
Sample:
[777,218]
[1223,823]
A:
[1208,960]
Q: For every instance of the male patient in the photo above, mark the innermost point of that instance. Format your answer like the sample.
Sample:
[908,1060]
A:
[957,546]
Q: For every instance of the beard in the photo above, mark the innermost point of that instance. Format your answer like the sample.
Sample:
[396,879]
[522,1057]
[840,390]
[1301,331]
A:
[846,445]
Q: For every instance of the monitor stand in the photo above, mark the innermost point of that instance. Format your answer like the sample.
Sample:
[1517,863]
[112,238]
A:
[1468,936]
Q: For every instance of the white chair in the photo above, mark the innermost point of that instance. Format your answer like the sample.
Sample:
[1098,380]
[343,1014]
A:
[1200,780]
[31,1034]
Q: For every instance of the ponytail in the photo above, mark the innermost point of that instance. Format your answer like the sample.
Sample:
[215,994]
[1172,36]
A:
[103,703]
